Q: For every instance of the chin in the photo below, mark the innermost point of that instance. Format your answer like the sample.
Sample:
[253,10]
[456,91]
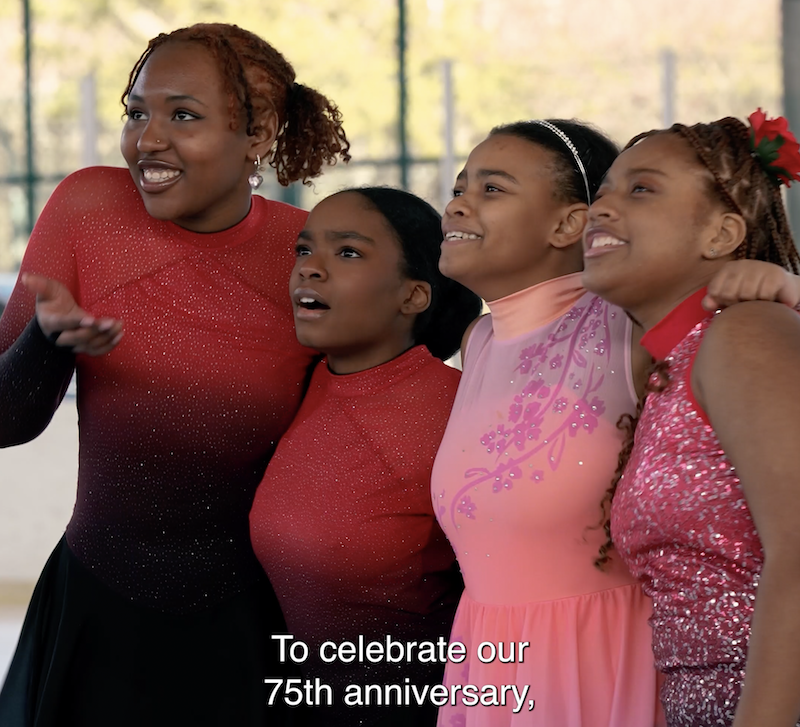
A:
[603,285]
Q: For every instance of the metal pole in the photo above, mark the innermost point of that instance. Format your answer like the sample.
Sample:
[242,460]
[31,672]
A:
[403,105]
[791,95]
[448,173]
[89,125]
[668,87]
[30,174]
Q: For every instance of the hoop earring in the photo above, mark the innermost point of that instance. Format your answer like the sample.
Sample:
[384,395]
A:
[255,179]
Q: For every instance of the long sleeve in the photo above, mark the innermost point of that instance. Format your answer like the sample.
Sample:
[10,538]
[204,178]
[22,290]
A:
[34,374]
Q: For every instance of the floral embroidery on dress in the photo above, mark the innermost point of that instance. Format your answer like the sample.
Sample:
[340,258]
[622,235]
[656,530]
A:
[561,375]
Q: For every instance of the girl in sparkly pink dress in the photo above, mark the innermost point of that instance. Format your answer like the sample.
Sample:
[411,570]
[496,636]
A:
[705,513]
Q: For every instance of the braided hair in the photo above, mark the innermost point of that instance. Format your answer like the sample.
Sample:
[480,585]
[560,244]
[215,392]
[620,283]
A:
[738,181]
[258,79]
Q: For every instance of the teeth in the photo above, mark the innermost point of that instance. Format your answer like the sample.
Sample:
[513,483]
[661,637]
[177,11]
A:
[159,175]
[307,300]
[461,236]
[606,241]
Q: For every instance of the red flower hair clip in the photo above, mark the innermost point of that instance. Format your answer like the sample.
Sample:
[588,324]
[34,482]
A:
[775,147]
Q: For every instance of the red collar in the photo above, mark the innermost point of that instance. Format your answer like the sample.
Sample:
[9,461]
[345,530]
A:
[673,327]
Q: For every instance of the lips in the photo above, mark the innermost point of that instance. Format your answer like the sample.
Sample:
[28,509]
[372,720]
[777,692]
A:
[598,241]
[455,237]
[156,176]
[309,304]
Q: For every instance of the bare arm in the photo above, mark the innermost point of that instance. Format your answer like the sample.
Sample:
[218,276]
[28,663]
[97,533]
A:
[745,377]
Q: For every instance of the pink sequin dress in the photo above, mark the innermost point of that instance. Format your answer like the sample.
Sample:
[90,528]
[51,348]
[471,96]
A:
[681,523]
[530,449]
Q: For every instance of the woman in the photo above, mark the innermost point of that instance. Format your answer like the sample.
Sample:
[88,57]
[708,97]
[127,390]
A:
[704,513]
[153,609]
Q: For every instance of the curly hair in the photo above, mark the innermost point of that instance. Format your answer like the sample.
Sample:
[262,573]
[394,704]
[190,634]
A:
[259,79]
[738,181]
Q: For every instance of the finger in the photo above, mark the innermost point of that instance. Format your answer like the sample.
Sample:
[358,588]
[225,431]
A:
[45,289]
[98,347]
[97,334]
[710,303]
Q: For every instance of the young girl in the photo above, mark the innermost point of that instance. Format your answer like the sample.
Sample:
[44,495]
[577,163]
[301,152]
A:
[532,443]
[342,521]
[153,609]
[705,513]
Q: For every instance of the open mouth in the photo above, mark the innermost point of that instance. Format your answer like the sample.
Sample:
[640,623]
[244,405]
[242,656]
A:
[309,303]
[457,235]
[157,176]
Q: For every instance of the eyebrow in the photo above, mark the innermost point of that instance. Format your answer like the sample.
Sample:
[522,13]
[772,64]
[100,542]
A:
[337,235]
[646,170]
[483,173]
[633,172]
[174,98]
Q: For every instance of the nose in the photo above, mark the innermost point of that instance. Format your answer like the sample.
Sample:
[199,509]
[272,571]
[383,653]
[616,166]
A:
[310,267]
[457,207]
[602,208]
[152,138]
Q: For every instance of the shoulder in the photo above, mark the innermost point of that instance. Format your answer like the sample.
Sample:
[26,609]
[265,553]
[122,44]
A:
[281,214]
[478,329]
[749,324]
[746,336]
[94,188]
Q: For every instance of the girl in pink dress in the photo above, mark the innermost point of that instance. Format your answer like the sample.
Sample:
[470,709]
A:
[532,444]
[705,512]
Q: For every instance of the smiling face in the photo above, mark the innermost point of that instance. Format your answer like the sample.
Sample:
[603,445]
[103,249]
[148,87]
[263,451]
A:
[350,298]
[499,228]
[189,165]
[652,228]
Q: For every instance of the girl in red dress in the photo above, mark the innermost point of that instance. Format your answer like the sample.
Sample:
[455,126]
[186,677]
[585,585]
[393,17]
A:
[342,521]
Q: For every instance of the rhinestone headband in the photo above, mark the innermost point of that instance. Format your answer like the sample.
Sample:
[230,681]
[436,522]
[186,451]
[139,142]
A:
[568,143]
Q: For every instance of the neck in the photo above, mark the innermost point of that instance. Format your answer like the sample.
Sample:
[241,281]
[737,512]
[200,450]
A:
[648,313]
[353,360]
[562,262]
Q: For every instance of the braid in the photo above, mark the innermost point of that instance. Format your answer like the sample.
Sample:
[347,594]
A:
[742,184]
[657,380]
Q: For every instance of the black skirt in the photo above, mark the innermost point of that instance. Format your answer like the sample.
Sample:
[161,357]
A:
[87,657]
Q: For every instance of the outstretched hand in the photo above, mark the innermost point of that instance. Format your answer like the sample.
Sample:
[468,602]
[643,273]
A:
[741,280]
[65,323]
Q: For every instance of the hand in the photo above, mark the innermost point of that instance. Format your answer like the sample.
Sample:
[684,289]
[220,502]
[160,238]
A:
[65,323]
[741,280]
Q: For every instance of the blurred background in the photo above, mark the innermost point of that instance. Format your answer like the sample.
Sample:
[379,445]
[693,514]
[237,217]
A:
[419,83]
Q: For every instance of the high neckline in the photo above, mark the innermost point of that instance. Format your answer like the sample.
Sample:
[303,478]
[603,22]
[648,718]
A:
[377,377]
[673,327]
[242,231]
[531,308]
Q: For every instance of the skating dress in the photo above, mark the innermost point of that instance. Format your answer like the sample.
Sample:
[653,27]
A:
[529,451]
[343,525]
[681,522]
[154,609]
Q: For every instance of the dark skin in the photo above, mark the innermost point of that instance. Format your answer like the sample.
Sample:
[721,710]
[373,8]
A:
[179,125]
[745,371]
[524,235]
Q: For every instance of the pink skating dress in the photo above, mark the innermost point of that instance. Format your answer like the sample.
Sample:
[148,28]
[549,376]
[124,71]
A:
[529,451]
[681,522]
